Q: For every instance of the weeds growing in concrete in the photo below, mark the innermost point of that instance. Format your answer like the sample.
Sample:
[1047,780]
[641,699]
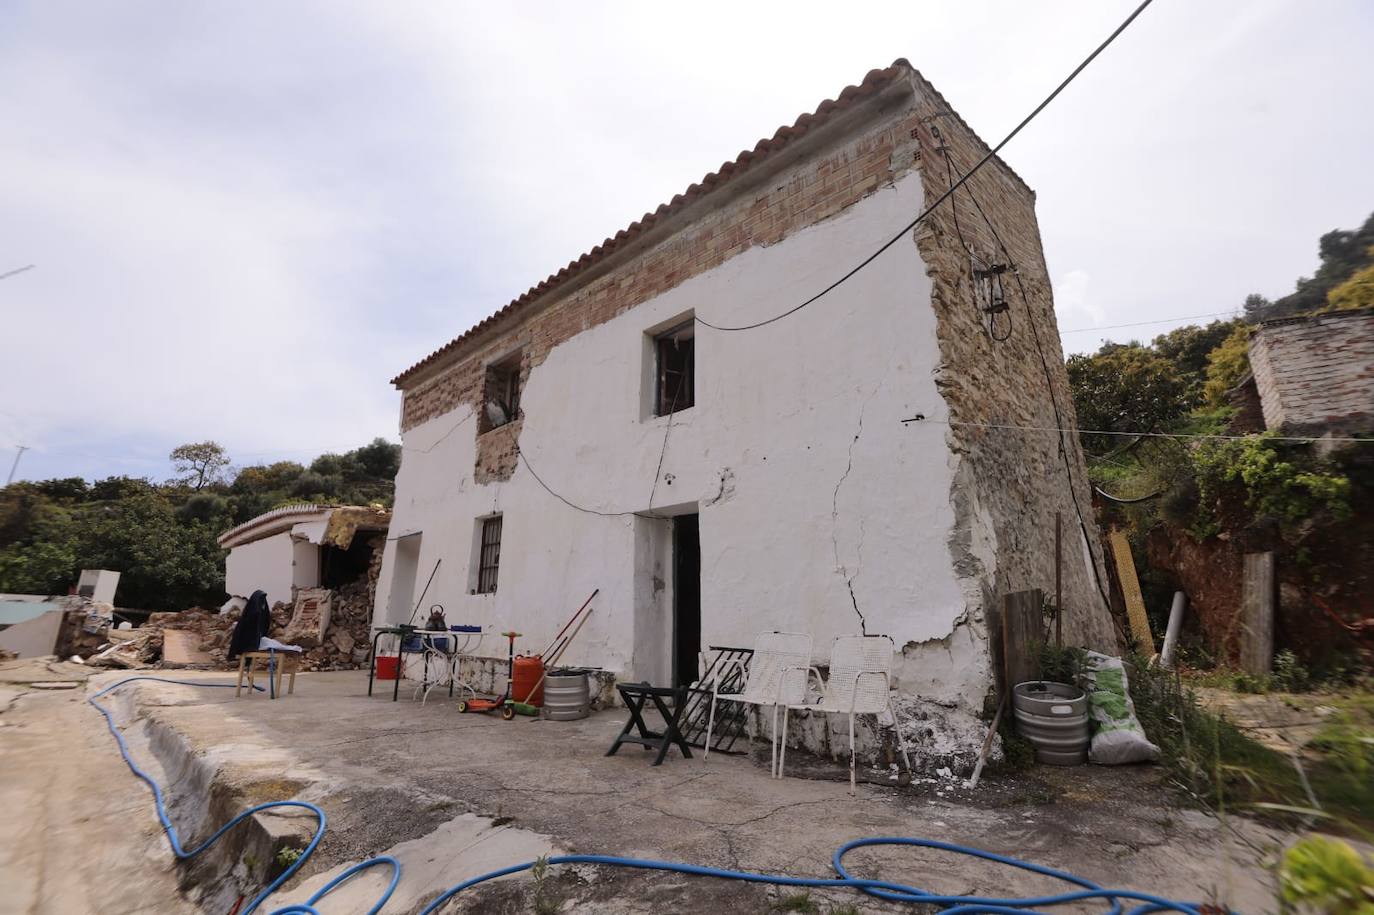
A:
[797,902]
[546,901]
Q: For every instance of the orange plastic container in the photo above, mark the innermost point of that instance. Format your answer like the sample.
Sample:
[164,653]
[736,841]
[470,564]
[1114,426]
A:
[529,671]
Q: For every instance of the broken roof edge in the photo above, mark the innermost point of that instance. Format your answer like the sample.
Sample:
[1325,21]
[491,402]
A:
[644,231]
[273,522]
[1312,316]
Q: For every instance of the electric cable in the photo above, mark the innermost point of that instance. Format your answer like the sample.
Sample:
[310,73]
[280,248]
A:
[1192,436]
[1049,383]
[520,454]
[663,450]
[948,193]
[954,205]
[1210,314]
[672,411]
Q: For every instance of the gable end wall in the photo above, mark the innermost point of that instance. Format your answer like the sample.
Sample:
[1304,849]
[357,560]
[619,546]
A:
[814,189]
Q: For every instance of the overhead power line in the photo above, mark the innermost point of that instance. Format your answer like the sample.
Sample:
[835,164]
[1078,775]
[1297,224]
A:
[13,272]
[1191,436]
[1210,314]
[950,191]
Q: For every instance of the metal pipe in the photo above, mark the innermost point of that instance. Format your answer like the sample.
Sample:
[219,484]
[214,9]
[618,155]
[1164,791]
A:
[1166,657]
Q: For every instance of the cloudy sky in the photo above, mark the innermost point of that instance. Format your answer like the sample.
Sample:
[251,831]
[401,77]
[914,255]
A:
[245,218]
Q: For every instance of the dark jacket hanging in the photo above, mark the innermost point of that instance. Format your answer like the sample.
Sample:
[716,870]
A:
[255,623]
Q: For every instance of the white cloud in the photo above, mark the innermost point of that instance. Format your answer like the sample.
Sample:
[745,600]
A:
[246,222]
[1073,306]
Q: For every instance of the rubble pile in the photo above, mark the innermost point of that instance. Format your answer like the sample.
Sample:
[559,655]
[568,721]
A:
[141,649]
[347,641]
[331,625]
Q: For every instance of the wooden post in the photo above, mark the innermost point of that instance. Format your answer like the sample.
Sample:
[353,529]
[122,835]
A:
[1058,580]
[1257,615]
[1023,629]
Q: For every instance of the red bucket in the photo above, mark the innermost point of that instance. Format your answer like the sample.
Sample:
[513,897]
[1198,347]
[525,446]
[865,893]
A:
[387,666]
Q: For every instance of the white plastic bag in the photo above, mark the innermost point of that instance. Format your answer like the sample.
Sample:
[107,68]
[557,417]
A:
[1118,737]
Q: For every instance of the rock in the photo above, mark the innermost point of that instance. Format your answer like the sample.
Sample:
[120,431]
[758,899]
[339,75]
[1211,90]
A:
[342,641]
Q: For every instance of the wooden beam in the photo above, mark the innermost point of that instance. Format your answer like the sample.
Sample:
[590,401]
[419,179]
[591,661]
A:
[1257,614]
[1130,590]
[1023,631]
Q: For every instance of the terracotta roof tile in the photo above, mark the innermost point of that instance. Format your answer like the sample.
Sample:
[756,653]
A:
[872,83]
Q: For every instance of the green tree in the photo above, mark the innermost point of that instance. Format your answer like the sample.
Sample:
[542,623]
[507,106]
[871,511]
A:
[1356,292]
[1342,253]
[379,459]
[1227,365]
[164,563]
[1256,308]
[199,464]
[1187,348]
[1126,388]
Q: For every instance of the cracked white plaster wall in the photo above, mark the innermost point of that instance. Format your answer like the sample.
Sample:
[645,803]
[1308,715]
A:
[810,507]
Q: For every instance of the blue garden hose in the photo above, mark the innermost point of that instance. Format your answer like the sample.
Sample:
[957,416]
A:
[892,892]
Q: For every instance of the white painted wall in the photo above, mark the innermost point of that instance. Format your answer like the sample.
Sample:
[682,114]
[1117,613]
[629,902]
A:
[33,638]
[272,564]
[806,480]
[102,582]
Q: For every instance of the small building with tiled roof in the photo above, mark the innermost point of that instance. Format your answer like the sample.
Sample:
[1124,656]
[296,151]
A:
[1314,374]
[297,546]
[667,420]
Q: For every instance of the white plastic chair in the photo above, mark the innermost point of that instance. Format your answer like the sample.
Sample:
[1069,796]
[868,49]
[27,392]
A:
[776,676]
[860,684]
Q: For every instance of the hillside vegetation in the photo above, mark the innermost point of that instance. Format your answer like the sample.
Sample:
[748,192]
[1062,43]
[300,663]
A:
[161,536]
[1194,505]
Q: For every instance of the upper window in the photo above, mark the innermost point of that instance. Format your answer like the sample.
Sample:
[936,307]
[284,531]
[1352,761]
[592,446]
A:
[489,555]
[501,394]
[676,351]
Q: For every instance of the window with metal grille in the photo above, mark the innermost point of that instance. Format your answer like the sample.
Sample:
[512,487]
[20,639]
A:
[676,369]
[489,555]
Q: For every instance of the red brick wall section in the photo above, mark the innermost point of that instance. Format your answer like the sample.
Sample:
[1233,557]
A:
[496,456]
[807,193]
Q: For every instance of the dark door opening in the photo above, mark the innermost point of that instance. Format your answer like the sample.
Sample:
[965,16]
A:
[686,598]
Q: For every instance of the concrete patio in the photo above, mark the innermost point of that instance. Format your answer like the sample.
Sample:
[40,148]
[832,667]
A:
[452,796]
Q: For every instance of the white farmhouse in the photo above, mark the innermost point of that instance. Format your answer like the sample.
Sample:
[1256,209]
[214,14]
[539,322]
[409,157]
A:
[637,423]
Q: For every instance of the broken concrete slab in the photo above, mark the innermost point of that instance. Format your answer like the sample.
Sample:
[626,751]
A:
[310,618]
[181,648]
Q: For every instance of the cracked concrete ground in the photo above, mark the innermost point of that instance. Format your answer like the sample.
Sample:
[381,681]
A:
[453,796]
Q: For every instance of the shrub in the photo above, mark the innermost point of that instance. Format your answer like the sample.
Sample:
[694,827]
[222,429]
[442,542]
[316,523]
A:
[1287,490]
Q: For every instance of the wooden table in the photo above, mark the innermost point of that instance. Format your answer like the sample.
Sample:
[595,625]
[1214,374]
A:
[276,663]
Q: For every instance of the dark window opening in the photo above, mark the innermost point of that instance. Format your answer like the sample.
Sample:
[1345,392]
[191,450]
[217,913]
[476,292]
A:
[676,370]
[501,394]
[489,555]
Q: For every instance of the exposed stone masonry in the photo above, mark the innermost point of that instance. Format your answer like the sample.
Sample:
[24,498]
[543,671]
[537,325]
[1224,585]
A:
[1013,477]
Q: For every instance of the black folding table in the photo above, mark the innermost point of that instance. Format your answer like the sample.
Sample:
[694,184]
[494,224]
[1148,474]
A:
[635,696]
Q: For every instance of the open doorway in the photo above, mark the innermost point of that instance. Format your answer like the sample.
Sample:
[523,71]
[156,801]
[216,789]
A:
[404,567]
[686,598]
